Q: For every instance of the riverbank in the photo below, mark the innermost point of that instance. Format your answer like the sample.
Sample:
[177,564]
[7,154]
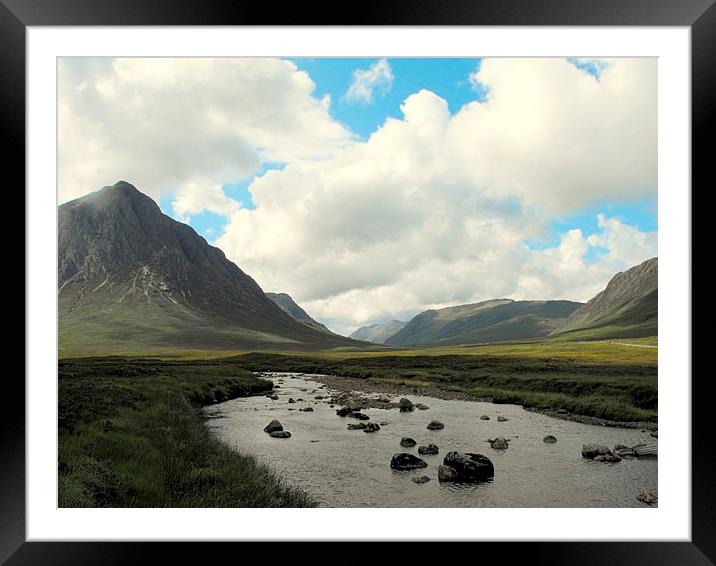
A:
[618,387]
[131,435]
[371,387]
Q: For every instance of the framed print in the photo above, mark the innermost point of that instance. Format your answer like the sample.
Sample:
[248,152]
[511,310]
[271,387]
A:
[389,279]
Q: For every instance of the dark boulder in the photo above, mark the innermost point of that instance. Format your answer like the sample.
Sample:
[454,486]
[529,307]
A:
[435,425]
[647,497]
[406,405]
[371,427]
[499,443]
[446,473]
[404,461]
[420,479]
[357,426]
[549,439]
[359,416]
[407,442]
[599,453]
[280,434]
[429,449]
[469,466]
[502,419]
[273,426]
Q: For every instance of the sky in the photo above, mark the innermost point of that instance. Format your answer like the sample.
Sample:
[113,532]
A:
[374,189]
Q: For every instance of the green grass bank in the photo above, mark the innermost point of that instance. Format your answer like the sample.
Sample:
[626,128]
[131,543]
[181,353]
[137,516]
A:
[131,435]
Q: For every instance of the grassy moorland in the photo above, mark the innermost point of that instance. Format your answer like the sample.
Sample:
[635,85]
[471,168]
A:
[130,432]
[130,435]
[608,380]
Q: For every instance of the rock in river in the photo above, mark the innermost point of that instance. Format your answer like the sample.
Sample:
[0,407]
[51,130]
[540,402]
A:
[280,434]
[357,426]
[499,443]
[435,425]
[407,442]
[446,473]
[406,405]
[420,479]
[429,449]
[273,426]
[359,416]
[549,439]
[371,427]
[404,461]
[469,466]
[599,453]
[502,419]
[484,418]
[647,497]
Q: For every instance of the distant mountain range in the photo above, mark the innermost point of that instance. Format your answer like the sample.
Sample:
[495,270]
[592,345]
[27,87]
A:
[496,320]
[627,308]
[378,333]
[289,306]
[132,279]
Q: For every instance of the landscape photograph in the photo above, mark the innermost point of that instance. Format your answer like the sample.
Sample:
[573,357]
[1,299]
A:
[357,282]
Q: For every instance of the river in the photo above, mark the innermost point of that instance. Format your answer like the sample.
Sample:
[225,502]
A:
[351,468]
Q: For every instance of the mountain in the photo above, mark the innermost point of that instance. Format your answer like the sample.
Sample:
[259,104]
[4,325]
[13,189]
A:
[133,279]
[627,308]
[496,320]
[289,306]
[378,333]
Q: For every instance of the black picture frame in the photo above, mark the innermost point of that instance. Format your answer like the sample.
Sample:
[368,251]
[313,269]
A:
[17,15]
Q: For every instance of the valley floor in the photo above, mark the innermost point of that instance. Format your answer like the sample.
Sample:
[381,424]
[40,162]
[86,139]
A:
[131,433]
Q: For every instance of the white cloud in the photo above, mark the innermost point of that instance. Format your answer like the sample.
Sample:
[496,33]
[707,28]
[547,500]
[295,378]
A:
[434,209]
[186,125]
[378,77]
[431,210]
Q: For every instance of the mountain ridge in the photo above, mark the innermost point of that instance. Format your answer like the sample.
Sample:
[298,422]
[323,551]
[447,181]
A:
[494,320]
[626,308]
[130,276]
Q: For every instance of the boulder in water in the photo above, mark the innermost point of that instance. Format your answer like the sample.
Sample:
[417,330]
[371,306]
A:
[357,426]
[429,449]
[435,425]
[499,443]
[273,426]
[647,497]
[406,405]
[407,442]
[446,473]
[404,461]
[549,439]
[359,416]
[280,434]
[502,419]
[469,466]
[599,453]
[420,479]
[484,418]
[371,427]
